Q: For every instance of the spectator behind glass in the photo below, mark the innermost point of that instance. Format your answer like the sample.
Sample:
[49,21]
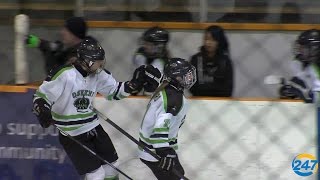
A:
[290,13]
[62,52]
[213,65]
[257,16]
[168,11]
[153,51]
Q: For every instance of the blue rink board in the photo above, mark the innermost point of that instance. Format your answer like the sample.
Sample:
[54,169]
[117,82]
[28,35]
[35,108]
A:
[27,151]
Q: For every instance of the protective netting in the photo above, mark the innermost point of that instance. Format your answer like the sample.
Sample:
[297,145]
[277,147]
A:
[222,138]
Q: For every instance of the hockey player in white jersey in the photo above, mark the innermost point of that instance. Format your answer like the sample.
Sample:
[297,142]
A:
[305,84]
[65,99]
[165,115]
[153,51]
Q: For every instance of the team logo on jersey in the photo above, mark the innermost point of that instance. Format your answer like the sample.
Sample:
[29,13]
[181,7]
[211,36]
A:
[82,93]
[82,102]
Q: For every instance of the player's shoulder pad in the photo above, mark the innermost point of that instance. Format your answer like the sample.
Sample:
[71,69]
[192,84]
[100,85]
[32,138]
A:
[174,101]
[56,72]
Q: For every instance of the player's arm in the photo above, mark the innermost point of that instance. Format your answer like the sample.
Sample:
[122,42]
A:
[298,87]
[44,45]
[160,136]
[114,90]
[316,90]
[48,92]
[160,141]
[51,51]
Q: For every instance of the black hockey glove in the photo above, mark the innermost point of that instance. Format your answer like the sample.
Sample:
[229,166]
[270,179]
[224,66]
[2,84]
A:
[136,83]
[301,90]
[168,158]
[153,78]
[286,92]
[43,112]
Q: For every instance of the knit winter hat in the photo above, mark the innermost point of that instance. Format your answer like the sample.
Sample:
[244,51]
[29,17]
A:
[77,26]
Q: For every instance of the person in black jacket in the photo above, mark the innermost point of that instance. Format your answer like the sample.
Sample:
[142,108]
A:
[62,52]
[214,66]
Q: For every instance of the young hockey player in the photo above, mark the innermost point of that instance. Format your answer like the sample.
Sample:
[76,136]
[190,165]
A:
[305,83]
[65,100]
[153,51]
[165,115]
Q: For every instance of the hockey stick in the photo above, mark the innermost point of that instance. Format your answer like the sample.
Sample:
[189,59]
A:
[176,172]
[92,152]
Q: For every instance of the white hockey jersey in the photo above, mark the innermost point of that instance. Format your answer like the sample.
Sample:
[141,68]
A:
[164,117]
[140,59]
[71,96]
[310,74]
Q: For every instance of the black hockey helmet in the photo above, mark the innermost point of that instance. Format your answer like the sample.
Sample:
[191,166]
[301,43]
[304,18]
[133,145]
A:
[159,38]
[307,46]
[156,35]
[180,73]
[89,51]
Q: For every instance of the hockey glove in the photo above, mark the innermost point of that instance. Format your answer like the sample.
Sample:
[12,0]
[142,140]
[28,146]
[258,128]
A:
[136,83]
[32,41]
[43,112]
[153,78]
[168,158]
[286,92]
[301,90]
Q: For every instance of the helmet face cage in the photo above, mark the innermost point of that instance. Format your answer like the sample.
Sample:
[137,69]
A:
[88,53]
[158,50]
[189,79]
[159,38]
[307,53]
[101,68]
[181,73]
[307,46]
[88,63]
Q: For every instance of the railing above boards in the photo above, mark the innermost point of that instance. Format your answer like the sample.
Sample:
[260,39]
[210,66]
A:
[249,11]
[186,25]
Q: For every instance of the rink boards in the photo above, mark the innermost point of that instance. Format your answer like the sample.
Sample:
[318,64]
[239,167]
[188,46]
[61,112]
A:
[221,139]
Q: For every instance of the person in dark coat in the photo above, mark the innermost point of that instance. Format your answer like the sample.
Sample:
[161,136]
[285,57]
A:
[62,52]
[213,64]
